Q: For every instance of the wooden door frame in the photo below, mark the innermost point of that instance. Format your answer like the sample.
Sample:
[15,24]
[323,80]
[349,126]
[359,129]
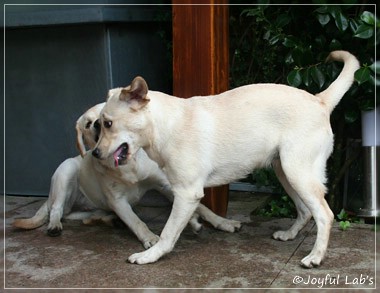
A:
[201,64]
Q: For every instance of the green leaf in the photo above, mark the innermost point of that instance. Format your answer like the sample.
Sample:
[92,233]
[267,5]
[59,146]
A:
[368,18]
[362,75]
[298,56]
[290,42]
[294,78]
[289,59]
[344,225]
[306,77]
[301,56]
[282,20]
[322,9]
[367,104]
[307,57]
[253,12]
[320,40]
[323,19]
[335,45]
[334,10]
[351,116]
[364,31]
[284,211]
[354,24]
[273,40]
[342,215]
[285,198]
[266,35]
[334,71]
[317,76]
[341,21]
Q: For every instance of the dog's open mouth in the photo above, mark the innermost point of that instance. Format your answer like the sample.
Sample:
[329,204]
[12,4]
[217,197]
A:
[121,154]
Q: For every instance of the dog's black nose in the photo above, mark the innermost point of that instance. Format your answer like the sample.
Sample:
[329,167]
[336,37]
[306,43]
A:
[97,130]
[97,125]
[96,153]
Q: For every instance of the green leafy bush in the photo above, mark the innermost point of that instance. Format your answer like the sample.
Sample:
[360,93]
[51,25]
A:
[346,219]
[281,207]
[289,44]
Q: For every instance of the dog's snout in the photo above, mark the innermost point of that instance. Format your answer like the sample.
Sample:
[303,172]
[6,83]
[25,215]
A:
[96,153]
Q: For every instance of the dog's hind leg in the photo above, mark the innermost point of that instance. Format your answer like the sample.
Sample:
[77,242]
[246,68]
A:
[95,217]
[166,190]
[216,221]
[204,212]
[56,213]
[304,177]
[64,190]
[303,213]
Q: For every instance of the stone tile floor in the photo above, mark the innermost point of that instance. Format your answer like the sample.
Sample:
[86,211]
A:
[95,256]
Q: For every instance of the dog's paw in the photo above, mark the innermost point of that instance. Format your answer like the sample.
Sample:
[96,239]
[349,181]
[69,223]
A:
[311,261]
[283,235]
[145,257]
[54,230]
[152,240]
[195,225]
[229,225]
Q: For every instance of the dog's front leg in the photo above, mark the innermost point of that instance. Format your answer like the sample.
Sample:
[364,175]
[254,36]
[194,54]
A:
[184,206]
[123,209]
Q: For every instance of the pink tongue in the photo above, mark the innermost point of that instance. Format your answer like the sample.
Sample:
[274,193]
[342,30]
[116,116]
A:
[116,156]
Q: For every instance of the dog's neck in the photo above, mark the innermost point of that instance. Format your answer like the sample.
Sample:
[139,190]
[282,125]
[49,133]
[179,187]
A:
[157,146]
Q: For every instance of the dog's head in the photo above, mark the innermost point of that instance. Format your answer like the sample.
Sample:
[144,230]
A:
[88,129]
[124,122]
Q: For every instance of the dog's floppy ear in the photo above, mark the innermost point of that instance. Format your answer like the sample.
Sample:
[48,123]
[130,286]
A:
[136,93]
[80,143]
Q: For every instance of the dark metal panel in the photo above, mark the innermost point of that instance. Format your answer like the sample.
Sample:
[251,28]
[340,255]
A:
[18,16]
[56,70]
[52,76]
[136,49]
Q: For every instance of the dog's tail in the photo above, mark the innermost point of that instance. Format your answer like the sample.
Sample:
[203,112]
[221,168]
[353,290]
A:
[334,93]
[40,218]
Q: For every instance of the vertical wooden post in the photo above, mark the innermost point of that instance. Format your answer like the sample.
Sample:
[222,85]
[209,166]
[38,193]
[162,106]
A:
[200,64]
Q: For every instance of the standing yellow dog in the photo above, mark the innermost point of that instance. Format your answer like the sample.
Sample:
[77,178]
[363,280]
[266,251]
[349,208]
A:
[212,140]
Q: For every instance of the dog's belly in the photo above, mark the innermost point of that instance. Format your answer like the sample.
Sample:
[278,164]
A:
[239,166]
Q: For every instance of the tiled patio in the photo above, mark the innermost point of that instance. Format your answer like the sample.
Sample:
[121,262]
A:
[95,256]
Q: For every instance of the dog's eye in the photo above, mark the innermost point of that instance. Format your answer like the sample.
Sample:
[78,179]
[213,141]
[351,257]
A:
[107,124]
[88,124]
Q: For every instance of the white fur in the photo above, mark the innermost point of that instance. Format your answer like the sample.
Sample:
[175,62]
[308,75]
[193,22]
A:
[208,141]
[100,189]
[64,188]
